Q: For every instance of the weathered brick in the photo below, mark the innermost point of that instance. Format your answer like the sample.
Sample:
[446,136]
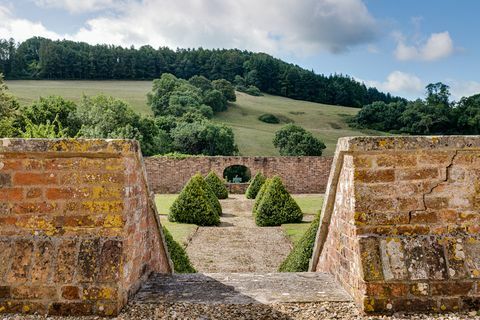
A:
[34,207]
[27,292]
[383,290]
[423,217]
[68,193]
[33,164]
[415,305]
[421,289]
[5,292]
[397,160]
[417,174]
[10,165]
[371,260]
[110,261]
[70,308]
[87,260]
[70,293]
[29,178]
[5,180]
[21,261]
[433,202]
[451,288]
[99,293]
[11,194]
[66,261]
[34,193]
[44,259]
[375,176]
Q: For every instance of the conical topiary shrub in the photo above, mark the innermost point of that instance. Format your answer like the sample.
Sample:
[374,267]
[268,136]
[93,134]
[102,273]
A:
[181,262]
[211,196]
[194,204]
[260,194]
[217,185]
[276,206]
[255,186]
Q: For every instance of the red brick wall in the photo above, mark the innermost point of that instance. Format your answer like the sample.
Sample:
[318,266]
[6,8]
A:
[300,174]
[77,233]
[403,223]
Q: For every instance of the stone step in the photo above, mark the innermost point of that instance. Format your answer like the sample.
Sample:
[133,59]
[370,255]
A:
[241,288]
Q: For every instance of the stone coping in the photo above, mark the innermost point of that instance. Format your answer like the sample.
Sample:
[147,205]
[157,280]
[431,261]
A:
[382,143]
[83,146]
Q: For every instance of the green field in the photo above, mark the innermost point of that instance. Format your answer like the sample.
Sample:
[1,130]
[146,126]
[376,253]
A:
[254,138]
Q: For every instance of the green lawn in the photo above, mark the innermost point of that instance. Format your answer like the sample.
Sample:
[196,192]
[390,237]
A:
[295,231]
[254,138]
[181,232]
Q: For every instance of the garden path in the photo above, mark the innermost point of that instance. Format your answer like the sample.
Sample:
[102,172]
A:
[238,245]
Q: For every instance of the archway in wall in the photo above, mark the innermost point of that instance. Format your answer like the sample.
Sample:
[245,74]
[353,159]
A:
[237,174]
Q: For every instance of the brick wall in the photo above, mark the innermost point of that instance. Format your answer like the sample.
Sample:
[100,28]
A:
[401,223]
[78,232]
[300,174]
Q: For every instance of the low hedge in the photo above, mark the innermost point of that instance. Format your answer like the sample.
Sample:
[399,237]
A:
[299,258]
[196,204]
[275,206]
[255,186]
[217,185]
[269,118]
[181,262]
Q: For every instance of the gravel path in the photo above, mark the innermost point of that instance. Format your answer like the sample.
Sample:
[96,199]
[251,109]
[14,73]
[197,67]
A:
[238,245]
[290,311]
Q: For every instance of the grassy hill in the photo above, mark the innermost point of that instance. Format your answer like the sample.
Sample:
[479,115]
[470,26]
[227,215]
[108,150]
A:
[253,136]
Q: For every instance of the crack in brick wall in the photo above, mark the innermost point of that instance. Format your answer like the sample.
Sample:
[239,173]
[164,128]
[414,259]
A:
[404,223]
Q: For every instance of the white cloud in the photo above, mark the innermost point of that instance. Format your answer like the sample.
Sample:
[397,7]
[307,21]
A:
[269,25]
[78,6]
[399,83]
[461,89]
[437,46]
[21,29]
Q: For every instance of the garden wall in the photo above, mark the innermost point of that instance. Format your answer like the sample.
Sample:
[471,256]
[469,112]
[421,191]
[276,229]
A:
[300,174]
[400,227]
[78,228]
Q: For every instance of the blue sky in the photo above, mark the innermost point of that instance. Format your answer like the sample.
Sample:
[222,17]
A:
[397,46]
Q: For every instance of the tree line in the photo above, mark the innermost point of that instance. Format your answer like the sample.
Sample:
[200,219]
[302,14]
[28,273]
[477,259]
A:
[40,58]
[435,114]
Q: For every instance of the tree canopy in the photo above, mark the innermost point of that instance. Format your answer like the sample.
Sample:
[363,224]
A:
[293,140]
[40,58]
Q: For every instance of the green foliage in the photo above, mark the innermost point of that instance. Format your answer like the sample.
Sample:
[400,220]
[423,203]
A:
[260,194]
[45,130]
[293,140]
[181,262]
[8,110]
[211,196]
[205,138]
[201,83]
[433,115]
[268,118]
[276,206]
[107,117]
[226,88]
[253,91]
[46,110]
[299,258]
[217,185]
[194,205]
[39,58]
[216,100]
[255,186]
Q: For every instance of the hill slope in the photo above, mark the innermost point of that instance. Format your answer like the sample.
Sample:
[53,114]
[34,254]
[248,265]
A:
[253,136]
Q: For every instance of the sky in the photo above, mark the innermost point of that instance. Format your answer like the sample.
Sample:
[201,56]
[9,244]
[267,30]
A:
[396,46]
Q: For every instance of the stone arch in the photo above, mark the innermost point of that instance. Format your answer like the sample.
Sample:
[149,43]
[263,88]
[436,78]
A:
[234,171]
